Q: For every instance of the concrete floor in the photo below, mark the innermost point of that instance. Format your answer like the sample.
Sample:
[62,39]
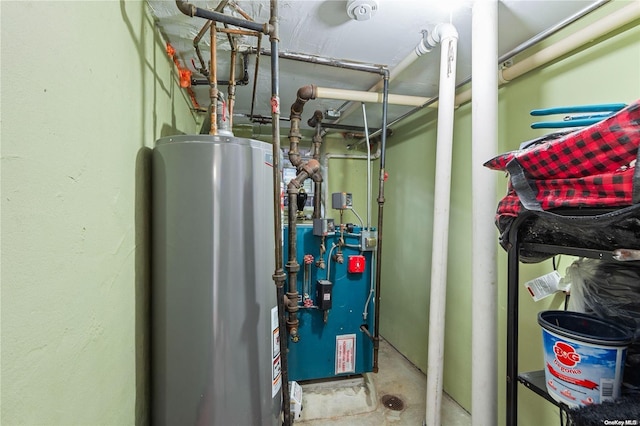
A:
[357,401]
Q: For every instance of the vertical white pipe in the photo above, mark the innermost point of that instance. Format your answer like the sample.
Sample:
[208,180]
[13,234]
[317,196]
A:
[484,140]
[448,36]
[366,135]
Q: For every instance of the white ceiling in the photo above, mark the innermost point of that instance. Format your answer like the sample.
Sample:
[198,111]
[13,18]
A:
[323,28]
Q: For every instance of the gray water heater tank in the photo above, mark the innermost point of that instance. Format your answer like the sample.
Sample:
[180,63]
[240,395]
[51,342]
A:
[214,345]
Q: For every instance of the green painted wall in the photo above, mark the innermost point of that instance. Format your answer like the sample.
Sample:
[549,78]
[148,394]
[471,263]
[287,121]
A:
[86,89]
[606,71]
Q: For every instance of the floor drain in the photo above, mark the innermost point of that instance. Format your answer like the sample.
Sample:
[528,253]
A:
[392,402]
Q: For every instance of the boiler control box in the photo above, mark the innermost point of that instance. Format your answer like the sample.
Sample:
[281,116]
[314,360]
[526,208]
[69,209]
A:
[341,200]
[323,227]
[323,294]
[368,240]
[356,264]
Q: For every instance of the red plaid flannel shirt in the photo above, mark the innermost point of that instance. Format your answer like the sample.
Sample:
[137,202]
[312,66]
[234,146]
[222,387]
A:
[591,167]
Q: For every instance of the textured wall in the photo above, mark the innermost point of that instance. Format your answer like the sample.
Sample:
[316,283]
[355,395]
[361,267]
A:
[86,89]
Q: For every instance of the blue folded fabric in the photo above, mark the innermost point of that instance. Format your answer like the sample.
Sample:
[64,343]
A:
[590,114]
[579,108]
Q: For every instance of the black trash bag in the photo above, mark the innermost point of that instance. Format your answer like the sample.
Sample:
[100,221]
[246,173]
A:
[610,290]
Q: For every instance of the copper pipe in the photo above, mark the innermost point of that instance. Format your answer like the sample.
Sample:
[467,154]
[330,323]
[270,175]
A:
[242,81]
[203,31]
[213,81]
[196,44]
[255,77]
[239,32]
[229,38]
[238,9]
[231,88]
[232,85]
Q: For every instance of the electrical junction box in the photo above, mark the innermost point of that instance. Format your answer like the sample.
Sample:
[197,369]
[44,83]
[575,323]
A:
[341,200]
[323,294]
[323,227]
[332,114]
[368,240]
[356,264]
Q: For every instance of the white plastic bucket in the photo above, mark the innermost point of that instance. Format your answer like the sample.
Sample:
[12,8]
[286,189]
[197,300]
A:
[584,357]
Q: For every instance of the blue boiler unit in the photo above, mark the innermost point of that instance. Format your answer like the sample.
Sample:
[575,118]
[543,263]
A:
[332,341]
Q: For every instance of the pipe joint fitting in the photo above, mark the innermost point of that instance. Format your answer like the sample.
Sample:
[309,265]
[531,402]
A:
[292,306]
[293,266]
[501,77]
[293,187]
[294,135]
[292,303]
[317,177]
[425,45]
[311,167]
[307,92]
[279,277]
[294,157]
[186,8]
[304,94]
[444,31]
[430,39]
[315,119]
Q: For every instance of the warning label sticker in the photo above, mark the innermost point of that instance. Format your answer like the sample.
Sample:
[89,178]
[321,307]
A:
[345,354]
[276,375]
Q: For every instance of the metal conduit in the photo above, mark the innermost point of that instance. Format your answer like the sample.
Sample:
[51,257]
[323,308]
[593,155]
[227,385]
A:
[278,275]
[320,60]
[381,200]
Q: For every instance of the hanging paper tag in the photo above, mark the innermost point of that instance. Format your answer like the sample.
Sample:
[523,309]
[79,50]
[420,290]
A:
[544,286]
